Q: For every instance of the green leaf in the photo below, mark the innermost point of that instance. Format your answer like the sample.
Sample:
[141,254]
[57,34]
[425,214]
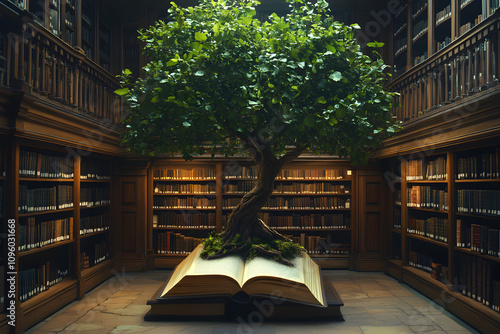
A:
[155,99]
[309,120]
[121,91]
[321,100]
[127,72]
[246,20]
[200,37]
[336,76]
[375,44]
[332,121]
[199,73]
[216,29]
[173,62]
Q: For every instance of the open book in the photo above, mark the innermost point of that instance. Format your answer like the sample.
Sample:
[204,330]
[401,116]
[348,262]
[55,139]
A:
[231,275]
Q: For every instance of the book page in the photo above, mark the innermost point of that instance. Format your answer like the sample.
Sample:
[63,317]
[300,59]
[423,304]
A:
[194,265]
[259,266]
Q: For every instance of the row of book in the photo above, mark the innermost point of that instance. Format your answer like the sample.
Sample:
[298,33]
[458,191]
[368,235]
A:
[175,243]
[184,188]
[479,279]
[432,228]
[45,199]
[184,203]
[427,198]
[464,3]
[466,27]
[35,164]
[35,280]
[324,203]
[306,221]
[307,174]
[315,245]
[95,223]
[480,166]
[400,45]
[480,202]
[242,187]
[419,29]
[426,170]
[97,253]
[439,272]
[184,220]
[444,14]
[478,238]
[444,43]
[92,196]
[420,59]
[184,174]
[95,170]
[35,234]
[420,261]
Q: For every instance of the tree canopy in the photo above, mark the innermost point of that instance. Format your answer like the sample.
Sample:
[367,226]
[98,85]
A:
[218,80]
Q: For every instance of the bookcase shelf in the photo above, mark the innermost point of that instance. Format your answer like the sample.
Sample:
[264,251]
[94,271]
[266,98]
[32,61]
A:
[484,256]
[93,234]
[422,238]
[47,212]
[225,185]
[44,248]
[463,252]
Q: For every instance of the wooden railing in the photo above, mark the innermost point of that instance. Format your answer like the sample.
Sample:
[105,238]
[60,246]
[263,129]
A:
[467,66]
[42,64]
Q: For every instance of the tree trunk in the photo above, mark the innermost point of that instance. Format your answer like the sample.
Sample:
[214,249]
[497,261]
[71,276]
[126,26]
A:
[244,217]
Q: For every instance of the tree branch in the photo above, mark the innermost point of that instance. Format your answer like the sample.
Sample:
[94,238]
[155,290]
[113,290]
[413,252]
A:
[290,155]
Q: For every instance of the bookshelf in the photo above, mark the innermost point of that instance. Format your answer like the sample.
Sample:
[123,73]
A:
[70,15]
[450,222]
[88,27]
[62,206]
[184,208]
[423,28]
[310,204]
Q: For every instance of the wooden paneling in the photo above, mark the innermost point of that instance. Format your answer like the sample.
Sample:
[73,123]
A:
[372,204]
[130,237]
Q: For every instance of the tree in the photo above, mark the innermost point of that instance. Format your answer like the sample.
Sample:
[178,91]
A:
[219,80]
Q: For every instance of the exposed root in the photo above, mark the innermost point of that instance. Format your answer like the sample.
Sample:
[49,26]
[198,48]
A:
[273,254]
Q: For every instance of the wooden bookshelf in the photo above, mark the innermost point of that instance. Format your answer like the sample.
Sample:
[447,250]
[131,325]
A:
[472,232]
[222,186]
[50,238]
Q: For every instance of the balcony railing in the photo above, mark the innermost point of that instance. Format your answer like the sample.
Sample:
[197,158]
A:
[467,66]
[40,63]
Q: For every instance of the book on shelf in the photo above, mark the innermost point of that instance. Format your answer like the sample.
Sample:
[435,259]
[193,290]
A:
[443,14]
[478,279]
[184,202]
[478,238]
[184,219]
[95,170]
[94,223]
[35,234]
[478,166]
[479,202]
[427,198]
[84,261]
[41,165]
[175,243]
[184,188]
[36,280]
[94,195]
[232,276]
[34,199]
[433,228]
[426,170]
[184,174]
[306,221]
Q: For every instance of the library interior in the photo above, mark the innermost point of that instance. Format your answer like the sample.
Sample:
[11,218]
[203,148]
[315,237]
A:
[410,240]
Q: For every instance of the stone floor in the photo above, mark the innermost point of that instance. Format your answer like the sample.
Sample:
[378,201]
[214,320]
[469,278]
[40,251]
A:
[374,303]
